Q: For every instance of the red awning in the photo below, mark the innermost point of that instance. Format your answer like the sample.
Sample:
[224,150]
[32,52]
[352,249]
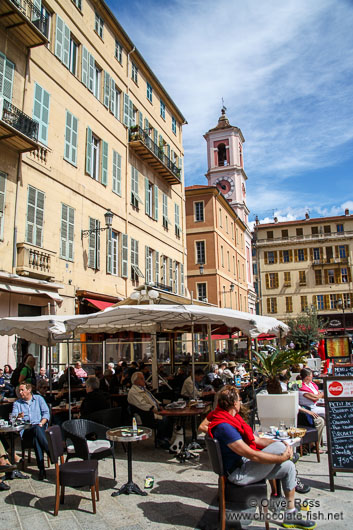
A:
[221,337]
[266,336]
[99,304]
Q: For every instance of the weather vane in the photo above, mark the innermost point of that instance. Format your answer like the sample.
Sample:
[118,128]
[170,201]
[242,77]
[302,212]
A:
[223,106]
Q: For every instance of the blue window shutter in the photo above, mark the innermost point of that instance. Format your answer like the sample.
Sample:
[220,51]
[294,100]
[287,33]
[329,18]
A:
[146,125]
[109,251]
[156,268]
[147,268]
[91,67]
[156,202]
[41,112]
[59,37]
[104,163]
[113,108]
[140,120]
[182,281]
[147,202]
[124,255]
[155,136]
[68,130]
[84,73]
[66,46]
[106,89]
[131,113]
[89,152]
[126,110]
[74,136]
[7,69]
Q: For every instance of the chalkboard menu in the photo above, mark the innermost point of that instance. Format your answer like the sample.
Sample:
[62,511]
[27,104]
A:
[344,370]
[339,423]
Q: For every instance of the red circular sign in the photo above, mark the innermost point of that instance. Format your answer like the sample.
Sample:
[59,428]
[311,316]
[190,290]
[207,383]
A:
[335,388]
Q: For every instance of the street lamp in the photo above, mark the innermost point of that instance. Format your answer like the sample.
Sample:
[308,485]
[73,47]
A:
[108,217]
[231,290]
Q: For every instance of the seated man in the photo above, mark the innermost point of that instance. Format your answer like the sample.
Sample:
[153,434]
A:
[95,399]
[189,389]
[247,459]
[80,372]
[33,409]
[147,406]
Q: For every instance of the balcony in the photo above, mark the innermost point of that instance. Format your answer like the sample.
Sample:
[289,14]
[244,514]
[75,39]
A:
[163,287]
[35,262]
[329,262]
[17,130]
[278,241]
[24,21]
[151,153]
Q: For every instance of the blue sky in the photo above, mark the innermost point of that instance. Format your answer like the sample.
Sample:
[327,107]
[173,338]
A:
[285,71]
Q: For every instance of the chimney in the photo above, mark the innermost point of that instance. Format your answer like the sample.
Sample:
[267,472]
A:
[275,219]
[257,220]
[346,211]
[307,216]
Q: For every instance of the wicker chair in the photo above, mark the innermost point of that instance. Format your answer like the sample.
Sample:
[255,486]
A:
[89,441]
[109,417]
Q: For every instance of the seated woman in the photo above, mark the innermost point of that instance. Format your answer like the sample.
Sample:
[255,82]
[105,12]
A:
[309,393]
[247,459]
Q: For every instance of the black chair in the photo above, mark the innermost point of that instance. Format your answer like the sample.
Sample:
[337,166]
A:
[238,496]
[109,417]
[89,441]
[72,474]
[310,437]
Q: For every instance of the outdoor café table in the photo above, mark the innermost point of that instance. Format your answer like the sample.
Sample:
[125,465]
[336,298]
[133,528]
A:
[183,414]
[75,408]
[12,430]
[128,435]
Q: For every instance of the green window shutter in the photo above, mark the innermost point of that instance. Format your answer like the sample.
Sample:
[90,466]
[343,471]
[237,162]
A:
[140,120]
[155,136]
[92,244]
[156,267]
[66,46]
[104,163]
[71,128]
[124,255]
[131,113]
[113,108]
[116,173]
[91,68]
[31,211]
[64,231]
[74,137]
[147,202]
[156,202]
[89,152]
[126,110]
[182,286]
[147,267]
[70,235]
[106,89]
[84,65]
[35,216]
[109,251]
[170,272]
[7,69]
[168,150]
[59,37]
[41,112]
[146,125]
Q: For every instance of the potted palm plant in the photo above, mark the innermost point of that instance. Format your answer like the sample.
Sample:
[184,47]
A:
[270,365]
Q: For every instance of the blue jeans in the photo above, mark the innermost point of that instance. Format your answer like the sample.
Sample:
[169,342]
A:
[36,436]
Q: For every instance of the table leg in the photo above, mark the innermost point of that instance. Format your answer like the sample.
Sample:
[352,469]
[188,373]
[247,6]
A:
[184,454]
[130,486]
[194,444]
[12,446]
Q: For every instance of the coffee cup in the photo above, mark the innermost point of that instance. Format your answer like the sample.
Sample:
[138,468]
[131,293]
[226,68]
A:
[273,429]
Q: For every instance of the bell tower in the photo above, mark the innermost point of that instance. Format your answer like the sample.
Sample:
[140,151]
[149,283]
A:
[226,164]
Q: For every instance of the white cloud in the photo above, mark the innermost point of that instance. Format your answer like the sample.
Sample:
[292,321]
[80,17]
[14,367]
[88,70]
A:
[284,70]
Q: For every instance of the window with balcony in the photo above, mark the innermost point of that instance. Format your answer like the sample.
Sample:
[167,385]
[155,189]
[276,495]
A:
[7,70]
[302,278]
[41,112]
[71,132]
[269,234]
[116,176]
[284,234]
[134,72]
[94,244]
[149,92]
[162,109]
[318,277]
[314,230]
[271,305]
[289,304]
[339,229]
[200,252]
[320,302]
[2,203]
[287,281]
[98,25]
[299,232]
[199,211]
[342,251]
[303,303]
[333,301]
[67,231]
[270,257]
[96,157]
[316,253]
[327,229]
[118,51]
[35,217]
[201,291]
[113,253]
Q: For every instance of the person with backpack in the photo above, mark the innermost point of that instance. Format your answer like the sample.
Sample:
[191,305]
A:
[27,374]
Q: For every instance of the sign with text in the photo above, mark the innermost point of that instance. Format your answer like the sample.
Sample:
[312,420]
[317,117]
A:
[343,370]
[339,424]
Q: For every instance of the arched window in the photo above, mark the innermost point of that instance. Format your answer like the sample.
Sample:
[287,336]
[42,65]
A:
[222,155]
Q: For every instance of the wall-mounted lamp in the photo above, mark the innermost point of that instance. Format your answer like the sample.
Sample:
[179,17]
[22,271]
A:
[202,269]
[108,217]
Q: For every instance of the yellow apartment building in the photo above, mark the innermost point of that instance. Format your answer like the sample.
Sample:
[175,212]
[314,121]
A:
[91,164]
[303,263]
[216,249]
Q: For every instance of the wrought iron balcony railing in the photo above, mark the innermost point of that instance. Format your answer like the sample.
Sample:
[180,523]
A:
[137,134]
[33,14]
[18,120]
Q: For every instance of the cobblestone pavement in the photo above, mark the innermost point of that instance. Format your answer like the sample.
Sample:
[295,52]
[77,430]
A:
[179,499]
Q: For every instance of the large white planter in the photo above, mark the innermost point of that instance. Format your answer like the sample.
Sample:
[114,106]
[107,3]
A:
[274,408]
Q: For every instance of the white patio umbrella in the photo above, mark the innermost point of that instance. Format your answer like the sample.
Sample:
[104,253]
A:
[41,330]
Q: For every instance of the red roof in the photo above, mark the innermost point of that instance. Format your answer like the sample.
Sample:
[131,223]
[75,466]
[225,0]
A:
[99,304]
[303,221]
[198,186]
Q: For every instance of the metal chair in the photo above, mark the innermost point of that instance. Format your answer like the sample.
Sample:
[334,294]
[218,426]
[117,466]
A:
[239,496]
[79,432]
[73,474]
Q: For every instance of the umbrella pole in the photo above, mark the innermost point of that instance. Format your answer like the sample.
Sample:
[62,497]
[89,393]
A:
[252,384]
[193,358]
[69,376]
[155,378]
[49,353]
[211,358]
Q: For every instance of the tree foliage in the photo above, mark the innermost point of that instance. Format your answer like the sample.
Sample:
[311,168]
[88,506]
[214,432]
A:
[305,328]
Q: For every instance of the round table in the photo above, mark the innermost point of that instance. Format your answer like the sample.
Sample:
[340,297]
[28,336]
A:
[128,435]
[12,430]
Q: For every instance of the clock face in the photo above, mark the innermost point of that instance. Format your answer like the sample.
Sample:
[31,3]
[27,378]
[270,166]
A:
[225,185]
